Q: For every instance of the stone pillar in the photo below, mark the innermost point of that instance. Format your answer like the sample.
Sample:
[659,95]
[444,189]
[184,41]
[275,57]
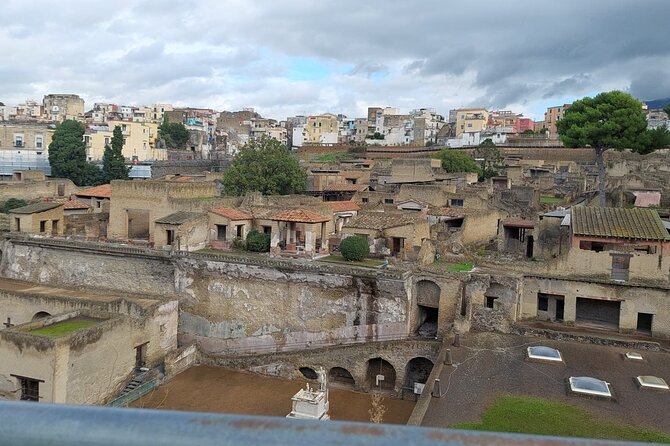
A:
[570,310]
[324,238]
[274,237]
[310,238]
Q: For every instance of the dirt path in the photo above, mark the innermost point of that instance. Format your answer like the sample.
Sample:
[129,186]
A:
[213,389]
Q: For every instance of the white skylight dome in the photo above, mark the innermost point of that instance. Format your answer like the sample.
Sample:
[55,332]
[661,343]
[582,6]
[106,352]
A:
[544,354]
[587,385]
[652,382]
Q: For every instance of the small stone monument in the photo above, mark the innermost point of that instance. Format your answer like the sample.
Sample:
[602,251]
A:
[312,404]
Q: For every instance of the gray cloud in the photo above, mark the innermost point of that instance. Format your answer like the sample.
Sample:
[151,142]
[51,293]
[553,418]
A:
[235,53]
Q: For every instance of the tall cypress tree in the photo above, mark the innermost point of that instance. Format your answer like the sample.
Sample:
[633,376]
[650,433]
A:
[67,155]
[113,163]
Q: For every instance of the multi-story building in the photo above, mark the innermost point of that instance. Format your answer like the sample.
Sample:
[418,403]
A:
[59,107]
[139,140]
[426,124]
[523,124]
[552,116]
[25,137]
[321,129]
[28,111]
[157,111]
[471,120]
[657,119]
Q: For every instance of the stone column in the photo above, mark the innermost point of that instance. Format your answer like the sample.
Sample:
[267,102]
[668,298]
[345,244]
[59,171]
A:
[570,310]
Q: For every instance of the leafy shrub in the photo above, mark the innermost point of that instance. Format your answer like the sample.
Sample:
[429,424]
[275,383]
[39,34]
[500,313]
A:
[238,243]
[12,203]
[258,242]
[354,248]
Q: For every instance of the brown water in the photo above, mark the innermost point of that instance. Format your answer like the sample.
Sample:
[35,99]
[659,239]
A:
[215,389]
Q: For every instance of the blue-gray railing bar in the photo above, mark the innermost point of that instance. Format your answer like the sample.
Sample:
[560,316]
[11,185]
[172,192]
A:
[37,424]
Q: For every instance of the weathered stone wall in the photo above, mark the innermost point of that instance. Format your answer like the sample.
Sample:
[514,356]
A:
[33,190]
[353,358]
[91,225]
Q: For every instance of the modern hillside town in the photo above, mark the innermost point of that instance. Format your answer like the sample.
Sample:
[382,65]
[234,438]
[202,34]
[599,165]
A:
[214,236]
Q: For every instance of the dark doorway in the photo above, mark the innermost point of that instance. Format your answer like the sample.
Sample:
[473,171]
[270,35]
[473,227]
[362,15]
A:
[529,246]
[560,309]
[141,355]
[221,232]
[170,236]
[598,313]
[417,371]
[308,372]
[379,367]
[426,326]
[397,244]
[40,315]
[54,227]
[341,377]
[644,323]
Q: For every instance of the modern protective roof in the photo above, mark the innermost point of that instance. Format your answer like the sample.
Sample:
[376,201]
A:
[637,224]
[652,382]
[343,206]
[231,214]
[544,353]
[590,386]
[301,216]
[35,208]
[179,218]
[519,223]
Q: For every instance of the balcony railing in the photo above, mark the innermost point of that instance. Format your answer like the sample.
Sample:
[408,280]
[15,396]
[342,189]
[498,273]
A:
[38,424]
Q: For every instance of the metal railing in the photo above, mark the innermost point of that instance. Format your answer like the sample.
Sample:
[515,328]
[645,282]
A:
[37,424]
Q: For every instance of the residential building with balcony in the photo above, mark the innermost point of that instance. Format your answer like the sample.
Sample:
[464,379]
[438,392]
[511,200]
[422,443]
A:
[139,141]
[59,107]
[25,136]
[552,116]
[471,120]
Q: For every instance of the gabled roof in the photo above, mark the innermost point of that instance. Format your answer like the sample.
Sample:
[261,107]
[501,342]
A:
[343,206]
[231,214]
[73,204]
[636,224]
[300,216]
[383,220]
[35,208]
[102,191]
[179,218]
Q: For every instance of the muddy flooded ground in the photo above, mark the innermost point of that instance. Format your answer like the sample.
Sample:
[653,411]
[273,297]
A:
[214,389]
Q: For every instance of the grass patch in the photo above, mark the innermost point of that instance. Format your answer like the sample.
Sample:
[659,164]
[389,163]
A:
[370,263]
[550,200]
[528,415]
[63,328]
[334,157]
[460,267]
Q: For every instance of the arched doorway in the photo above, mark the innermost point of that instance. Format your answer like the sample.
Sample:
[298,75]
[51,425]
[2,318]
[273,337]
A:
[380,367]
[417,371]
[428,303]
[341,377]
[40,315]
[308,372]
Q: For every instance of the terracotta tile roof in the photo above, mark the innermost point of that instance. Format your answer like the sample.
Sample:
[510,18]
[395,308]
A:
[384,220]
[519,223]
[301,216]
[343,206]
[75,204]
[103,191]
[639,224]
[231,214]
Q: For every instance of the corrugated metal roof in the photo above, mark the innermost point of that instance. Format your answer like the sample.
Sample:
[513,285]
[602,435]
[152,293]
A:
[35,208]
[179,218]
[639,224]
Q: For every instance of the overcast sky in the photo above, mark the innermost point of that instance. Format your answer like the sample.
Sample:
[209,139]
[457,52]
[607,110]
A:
[287,57]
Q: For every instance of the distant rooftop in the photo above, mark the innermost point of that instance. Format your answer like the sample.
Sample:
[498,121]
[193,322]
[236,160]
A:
[640,224]
[35,208]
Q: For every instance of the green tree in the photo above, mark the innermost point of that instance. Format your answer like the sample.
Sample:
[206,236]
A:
[175,134]
[12,203]
[612,120]
[113,163]
[354,248]
[265,165]
[258,242]
[457,161]
[67,155]
[489,158]
[654,139]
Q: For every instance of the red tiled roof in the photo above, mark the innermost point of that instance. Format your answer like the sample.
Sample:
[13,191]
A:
[300,216]
[343,206]
[231,214]
[103,191]
[75,204]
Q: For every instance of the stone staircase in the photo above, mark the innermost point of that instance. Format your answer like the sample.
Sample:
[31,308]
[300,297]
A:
[137,381]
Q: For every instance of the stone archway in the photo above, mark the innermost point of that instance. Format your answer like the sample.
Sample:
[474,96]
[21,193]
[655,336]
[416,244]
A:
[308,372]
[417,371]
[40,315]
[341,377]
[379,366]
